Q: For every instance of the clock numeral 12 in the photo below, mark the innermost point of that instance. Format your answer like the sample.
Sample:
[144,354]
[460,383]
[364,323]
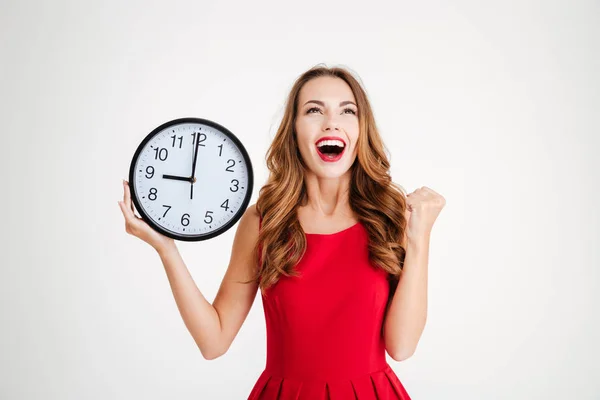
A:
[201,138]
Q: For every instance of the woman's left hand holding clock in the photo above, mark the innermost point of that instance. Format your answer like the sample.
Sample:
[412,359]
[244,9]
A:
[136,226]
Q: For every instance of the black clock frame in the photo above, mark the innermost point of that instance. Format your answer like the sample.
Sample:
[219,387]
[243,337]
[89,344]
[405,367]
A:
[245,202]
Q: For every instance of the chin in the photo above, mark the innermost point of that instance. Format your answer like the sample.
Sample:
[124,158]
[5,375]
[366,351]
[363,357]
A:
[331,172]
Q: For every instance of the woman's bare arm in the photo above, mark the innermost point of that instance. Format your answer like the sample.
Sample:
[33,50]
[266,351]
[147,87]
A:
[214,326]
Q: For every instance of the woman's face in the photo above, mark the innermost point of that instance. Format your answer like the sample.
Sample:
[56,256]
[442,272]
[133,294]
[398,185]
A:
[327,108]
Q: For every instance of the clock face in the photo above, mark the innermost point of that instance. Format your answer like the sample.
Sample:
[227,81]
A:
[184,202]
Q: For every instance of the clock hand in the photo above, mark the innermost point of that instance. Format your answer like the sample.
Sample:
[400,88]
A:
[192,178]
[177,178]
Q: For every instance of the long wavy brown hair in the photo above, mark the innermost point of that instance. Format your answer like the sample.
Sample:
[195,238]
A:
[378,202]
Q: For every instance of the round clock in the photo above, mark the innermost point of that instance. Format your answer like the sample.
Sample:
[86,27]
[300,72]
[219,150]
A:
[191,179]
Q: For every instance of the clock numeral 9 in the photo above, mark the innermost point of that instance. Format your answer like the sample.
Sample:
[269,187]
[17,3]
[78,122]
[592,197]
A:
[160,155]
[152,195]
[235,185]
[231,166]
[150,170]
[186,219]
[208,216]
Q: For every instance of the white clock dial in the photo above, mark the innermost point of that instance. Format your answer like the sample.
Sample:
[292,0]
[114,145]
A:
[162,170]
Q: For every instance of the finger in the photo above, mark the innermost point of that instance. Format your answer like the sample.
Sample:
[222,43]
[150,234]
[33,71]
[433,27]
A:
[127,213]
[127,198]
[131,202]
[127,195]
[125,192]
[131,205]
[124,210]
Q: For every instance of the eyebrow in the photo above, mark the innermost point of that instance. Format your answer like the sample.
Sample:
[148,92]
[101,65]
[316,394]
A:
[343,103]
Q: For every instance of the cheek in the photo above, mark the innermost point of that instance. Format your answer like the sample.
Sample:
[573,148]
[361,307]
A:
[352,130]
[306,126]
[305,132]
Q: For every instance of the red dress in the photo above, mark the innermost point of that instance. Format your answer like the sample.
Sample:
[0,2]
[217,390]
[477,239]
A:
[324,328]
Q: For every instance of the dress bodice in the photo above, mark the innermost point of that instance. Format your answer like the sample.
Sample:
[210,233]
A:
[324,327]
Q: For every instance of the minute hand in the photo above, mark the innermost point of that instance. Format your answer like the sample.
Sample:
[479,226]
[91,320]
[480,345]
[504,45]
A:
[193,177]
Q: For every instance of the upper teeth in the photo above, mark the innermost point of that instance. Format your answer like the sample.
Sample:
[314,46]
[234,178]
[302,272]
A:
[330,143]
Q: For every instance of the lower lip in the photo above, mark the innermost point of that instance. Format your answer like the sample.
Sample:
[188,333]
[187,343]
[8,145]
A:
[329,159]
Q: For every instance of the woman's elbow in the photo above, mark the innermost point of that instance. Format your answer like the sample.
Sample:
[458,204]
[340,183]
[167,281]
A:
[401,355]
[212,353]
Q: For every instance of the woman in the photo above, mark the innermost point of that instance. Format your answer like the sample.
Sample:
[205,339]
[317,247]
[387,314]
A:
[338,251]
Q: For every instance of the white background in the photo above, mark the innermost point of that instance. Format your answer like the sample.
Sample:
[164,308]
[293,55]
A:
[492,104]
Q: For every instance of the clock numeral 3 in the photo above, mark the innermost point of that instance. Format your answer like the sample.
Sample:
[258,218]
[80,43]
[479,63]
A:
[186,219]
[160,155]
[231,166]
[152,195]
[235,185]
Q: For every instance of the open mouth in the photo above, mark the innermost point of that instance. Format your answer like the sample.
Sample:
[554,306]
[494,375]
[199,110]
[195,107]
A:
[331,150]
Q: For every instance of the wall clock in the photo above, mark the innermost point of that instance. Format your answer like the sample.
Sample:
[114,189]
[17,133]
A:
[191,179]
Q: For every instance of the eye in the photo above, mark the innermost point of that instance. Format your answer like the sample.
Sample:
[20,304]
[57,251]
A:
[309,111]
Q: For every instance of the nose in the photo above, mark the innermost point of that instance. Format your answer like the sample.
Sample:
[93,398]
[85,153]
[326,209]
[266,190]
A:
[331,123]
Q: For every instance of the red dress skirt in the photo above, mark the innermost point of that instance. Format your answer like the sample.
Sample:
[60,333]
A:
[324,328]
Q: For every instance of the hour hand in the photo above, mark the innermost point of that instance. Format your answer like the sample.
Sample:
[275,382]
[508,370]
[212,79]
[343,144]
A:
[177,178]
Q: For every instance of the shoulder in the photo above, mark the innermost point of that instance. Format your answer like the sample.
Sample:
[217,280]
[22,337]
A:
[252,212]
[246,236]
[249,223]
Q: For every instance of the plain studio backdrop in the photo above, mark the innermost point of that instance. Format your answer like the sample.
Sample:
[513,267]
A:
[492,104]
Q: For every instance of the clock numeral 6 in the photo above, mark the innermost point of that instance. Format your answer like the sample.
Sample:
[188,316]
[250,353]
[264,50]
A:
[235,185]
[150,170]
[152,195]
[186,219]
[160,155]
[208,216]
